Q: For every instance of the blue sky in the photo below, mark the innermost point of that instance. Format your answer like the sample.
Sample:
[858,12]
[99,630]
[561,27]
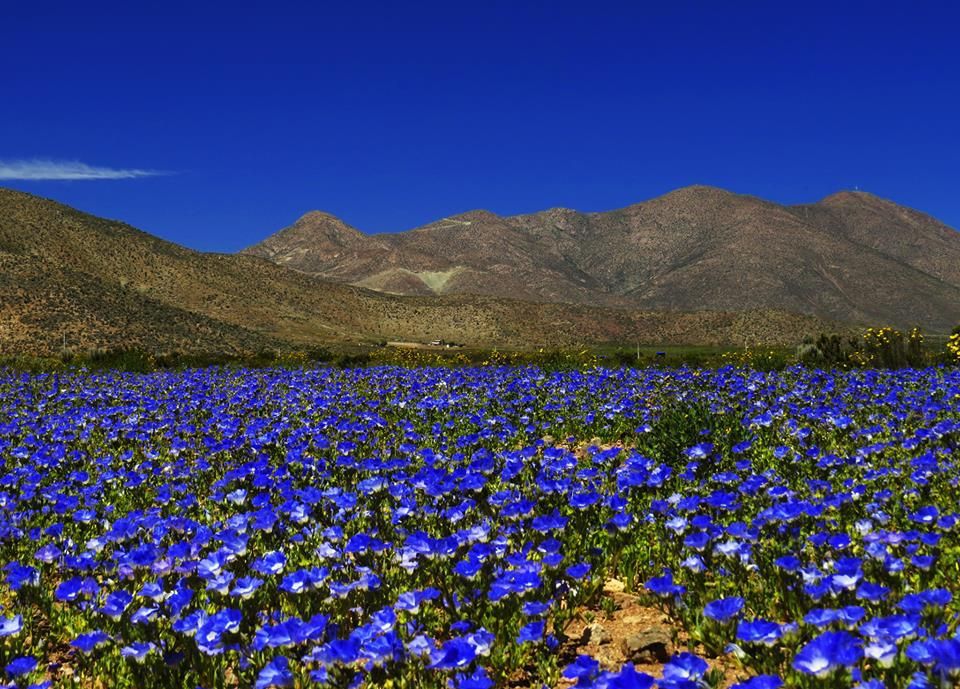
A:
[391,115]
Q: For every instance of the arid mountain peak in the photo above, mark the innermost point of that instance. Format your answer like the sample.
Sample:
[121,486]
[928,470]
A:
[703,191]
[317,239]
[848,196]
[323,227]
[476,215]
[851,257]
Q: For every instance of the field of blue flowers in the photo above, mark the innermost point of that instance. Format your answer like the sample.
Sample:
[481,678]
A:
[443,527]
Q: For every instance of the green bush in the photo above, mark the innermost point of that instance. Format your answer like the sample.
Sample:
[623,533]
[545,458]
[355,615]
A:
[874,348]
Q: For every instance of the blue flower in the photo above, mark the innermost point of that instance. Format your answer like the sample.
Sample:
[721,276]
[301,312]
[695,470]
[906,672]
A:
[69,590]
[533,608]
[153,591]
[723,609]
[178,600]
[244,587]
[922,651]
[278,635]
[548,522]
[19,576]
[828,652]
[277,673]
[115,603]
[947,659]
[663,586]
[89,641]
[10,626]
[138,651]
[759,631]
[788,563]
[700,451]
[21,666]
[145,615]
[884,651]
[584,669]
[514,582]
[482,641]
[478,679]
[626,678]
[821,617]
[685,667]
[48,553]
[297,582]
[455,654]
[698,540]
[209,635]
[411,600]
[869,591]
[271,563]
[531,632]
[338,651]
[926,515]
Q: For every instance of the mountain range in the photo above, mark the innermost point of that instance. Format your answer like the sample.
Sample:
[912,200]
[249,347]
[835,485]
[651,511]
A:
[850,258]
[697,266]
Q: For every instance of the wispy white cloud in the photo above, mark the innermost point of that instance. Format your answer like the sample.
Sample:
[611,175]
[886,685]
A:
[66,170]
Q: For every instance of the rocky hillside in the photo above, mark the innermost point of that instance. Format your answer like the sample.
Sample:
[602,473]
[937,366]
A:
[852,257]
[67,275]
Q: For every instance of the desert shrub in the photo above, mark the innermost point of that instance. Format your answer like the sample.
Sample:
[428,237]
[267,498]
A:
[828,351]
[626,358]
[890,348]
[318,354]
[131,360]
[953,346]
[758,359]
[32,364]
[352,360]
[874,348]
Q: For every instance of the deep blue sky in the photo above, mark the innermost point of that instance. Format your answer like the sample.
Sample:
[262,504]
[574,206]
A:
[391,115]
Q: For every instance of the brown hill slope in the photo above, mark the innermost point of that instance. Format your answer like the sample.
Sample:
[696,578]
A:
[44,307]
[106,284]
[850,258]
